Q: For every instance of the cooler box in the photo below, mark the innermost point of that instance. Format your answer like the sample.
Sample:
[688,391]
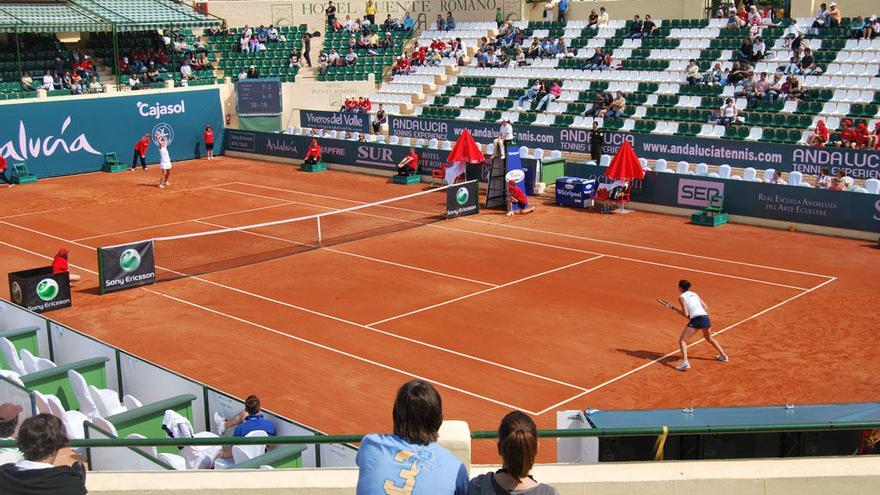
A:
[574,191]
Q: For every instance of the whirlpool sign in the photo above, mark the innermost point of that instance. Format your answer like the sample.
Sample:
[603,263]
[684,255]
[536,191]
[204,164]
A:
[71,135]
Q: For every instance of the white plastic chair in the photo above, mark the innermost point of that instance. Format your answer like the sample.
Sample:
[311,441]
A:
[11,356]
[175,461]
[80,388]
[702,169]
[604,160]
[42,403]
[405,141]
[242,453]
[433,143]
[724,171]
[660,165]
[12,377]
[795,178]
[523,152]
[872,186]
[446,146]
[297,131]
[555,154]
[393,139]
[104,425]
[538,154]
[107,401]
[683,168]
[644,163]
[750,175]
[34,364]
[420,143]
[769,174]
[74,421]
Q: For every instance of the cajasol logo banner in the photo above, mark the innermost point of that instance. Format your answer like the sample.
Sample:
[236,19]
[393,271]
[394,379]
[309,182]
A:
[39,289]
[462,199]
[71,135]
[126,266]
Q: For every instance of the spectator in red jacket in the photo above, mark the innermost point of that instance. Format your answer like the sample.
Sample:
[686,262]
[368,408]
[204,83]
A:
[140,152]
[313,155]
[3,177]
[847,135]
[209,142]
[819,136]
[60,264]
[365,105]
[874,139]
[863,137]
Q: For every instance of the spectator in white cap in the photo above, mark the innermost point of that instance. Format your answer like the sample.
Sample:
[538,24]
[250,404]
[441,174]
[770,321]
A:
[8,422]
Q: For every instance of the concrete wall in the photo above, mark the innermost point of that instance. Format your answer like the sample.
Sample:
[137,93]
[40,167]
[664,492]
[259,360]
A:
[804,476]
[849,8]
[311,12]
[619,9]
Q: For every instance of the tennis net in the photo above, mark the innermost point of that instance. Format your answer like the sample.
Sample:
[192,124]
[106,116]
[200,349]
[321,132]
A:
[225,248]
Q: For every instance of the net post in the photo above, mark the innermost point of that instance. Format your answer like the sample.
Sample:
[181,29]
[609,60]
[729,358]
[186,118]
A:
[319,230]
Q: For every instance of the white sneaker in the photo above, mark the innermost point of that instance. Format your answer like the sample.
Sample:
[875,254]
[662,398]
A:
[220,423]
[724,358]
[510,213]
[11,185]
[161,186]
[168,183]
[683,366]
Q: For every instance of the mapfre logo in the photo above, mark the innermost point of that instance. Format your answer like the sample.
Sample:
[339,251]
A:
[692,192]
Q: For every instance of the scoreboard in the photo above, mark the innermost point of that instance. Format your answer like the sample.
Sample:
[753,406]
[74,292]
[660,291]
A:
[258,97]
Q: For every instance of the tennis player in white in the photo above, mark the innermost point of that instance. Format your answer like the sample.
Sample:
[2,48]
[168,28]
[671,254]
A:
[695,310]
[164,164]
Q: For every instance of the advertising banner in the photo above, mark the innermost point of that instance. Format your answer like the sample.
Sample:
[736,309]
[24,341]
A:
[335,121]
[841,209]
[39,290]
[463,199]
[859,164]
[70,136]
[126,266]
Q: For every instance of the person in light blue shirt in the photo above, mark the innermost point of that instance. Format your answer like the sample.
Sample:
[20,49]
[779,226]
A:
[408,22]
[563,10]
[410,461]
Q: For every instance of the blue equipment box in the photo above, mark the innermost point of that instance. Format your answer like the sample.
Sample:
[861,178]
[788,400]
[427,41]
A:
[574,191]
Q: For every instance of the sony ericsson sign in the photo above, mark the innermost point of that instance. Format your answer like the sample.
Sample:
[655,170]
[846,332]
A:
[126,266]
[335,121]
[71,135]
[462,199]
[39,289]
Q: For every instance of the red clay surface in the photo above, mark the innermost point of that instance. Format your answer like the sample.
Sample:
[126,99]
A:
[550,311]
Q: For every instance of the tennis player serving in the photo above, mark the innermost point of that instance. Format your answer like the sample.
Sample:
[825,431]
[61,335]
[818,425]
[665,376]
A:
[695,310]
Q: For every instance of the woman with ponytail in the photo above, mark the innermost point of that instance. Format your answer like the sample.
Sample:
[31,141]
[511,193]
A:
[518,446]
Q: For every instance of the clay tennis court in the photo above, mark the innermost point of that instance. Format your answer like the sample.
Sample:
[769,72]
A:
[549,311]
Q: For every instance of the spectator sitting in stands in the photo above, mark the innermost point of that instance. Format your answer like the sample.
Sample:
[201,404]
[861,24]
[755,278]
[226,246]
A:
[242,74]
[857,28]
[388,42]
[75,81]
[616,108]
[440,23]
[807,64]
[754,17]
[791,32]
[777,179]
[759,49]
[596,62]
[692,72]
[593,20]
[364,104]
[450,21]
[518,446]
[521,58]
[134,82]
[834,15]
[821,19]
[48,81]
[635,28]
[253,44]
[745,87]
[272,34]
[534,50]
[847,135]
[9,412]
[600,101]
[762,86]
[380,119]
[153,74]
[819,136]
[294,60]
[552,95]
[417,415]
[872,28]
[253,73]
[603,17]
[333,58]
[841,182]
[408,22]
[746,51]
[728,113]
[350,105]
[95,86]
[874,138]
[186,72]
[548,48]
[739,71]
[823,180]
[648,27]
[373,40]
[402,66]
[714,75]
[251,419]
[43,443]
[792,88]
[790,68]
[863,136]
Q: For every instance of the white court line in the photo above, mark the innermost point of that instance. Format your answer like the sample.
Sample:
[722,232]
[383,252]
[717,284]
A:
[549,232]
[168,191]
[346,253]
[661,358]
[375,330]
[309,342]
[490,289]
[553,246]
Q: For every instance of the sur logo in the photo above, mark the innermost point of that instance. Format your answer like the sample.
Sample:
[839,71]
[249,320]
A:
[47,289]
[129,260]
[462,195]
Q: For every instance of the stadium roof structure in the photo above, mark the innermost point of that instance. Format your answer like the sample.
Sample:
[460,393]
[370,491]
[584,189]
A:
[99,15]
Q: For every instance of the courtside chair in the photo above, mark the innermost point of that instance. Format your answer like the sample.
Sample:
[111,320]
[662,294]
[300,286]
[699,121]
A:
[660,165]
[242,453]
[604,160]
[795,178]
[702,169]
[109,404]
[768,174]
[750,175]
[12,377]
[173,460]
[11,356]
[73,420]
[683,168]
[872,186]
[80,388]
[724,171]
[34,364]
[644,163]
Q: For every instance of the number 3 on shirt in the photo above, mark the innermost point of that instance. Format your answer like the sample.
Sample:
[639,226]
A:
[407,475]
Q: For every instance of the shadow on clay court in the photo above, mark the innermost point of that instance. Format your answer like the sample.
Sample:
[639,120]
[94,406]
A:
[652,355]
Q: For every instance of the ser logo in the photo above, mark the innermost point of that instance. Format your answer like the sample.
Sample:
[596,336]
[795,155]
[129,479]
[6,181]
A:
[698,192]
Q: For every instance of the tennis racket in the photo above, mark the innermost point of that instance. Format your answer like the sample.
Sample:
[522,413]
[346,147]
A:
[664,303]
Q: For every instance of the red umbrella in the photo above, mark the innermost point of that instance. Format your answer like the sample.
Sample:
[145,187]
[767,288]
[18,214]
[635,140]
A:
[625,164]
[465,150]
